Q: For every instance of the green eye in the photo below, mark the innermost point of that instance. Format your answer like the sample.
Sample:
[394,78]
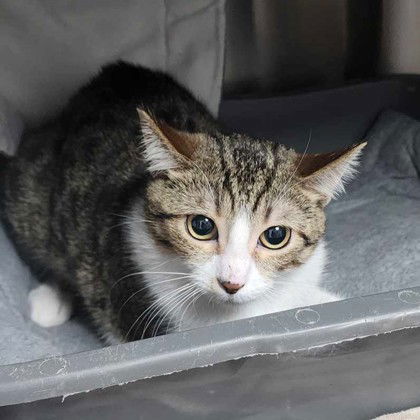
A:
[201,227]
[275,237]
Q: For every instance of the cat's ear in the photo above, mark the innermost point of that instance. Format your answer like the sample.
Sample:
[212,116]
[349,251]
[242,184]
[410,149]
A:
[326,173]
[165,148]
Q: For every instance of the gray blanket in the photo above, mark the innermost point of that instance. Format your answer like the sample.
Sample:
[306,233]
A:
[373,235]
[374,230]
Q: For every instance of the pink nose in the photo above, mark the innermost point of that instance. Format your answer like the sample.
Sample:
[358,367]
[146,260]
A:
[229,287]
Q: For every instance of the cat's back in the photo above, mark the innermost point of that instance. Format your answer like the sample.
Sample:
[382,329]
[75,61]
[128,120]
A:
[121,87]
[62,169]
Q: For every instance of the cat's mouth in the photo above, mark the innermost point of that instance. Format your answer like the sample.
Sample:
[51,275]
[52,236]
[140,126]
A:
[230,295]
[236,300]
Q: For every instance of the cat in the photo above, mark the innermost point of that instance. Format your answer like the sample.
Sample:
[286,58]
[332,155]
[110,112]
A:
[136,205]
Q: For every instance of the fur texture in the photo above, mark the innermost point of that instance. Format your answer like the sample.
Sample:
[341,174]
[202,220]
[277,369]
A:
[97,203]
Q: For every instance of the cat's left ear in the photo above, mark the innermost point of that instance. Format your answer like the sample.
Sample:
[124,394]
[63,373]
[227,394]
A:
[326,173]
[165,148]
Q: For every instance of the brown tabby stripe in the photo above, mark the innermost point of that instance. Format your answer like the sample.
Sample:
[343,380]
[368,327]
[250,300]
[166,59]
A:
[226,181]
[269,180]
[307,241]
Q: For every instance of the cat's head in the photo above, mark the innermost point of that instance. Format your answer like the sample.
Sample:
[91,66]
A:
[239,213]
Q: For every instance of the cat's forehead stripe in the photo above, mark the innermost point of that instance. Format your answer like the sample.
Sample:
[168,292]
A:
[249,170]
[269,180]
[227,186]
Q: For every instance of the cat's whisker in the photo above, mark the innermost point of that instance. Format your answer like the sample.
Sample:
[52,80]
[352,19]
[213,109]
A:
[158,310]
[175,304]
[164,281]
[158,272]
[119,225]
[138,220]
[153,305]
[140,273]
[164,300]
[211,300]
[174,309]
[193,298]
[131,218]
[147,287]
[179,306]
[164,262]
[192,302]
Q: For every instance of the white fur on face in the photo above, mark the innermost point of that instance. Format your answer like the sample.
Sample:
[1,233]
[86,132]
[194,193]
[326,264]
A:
[191,295]
[291,289]
[235,265]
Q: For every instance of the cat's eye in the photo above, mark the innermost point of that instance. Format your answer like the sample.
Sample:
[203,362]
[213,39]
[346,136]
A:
[201,227]
[275,237]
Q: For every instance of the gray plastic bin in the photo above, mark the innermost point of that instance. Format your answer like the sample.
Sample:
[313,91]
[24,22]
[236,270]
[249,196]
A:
[352,359]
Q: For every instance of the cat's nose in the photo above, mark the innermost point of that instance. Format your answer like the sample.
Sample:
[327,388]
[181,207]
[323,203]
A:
[230,287]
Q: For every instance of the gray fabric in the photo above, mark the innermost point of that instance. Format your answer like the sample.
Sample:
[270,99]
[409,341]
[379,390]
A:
[48,48]
[374,230]
[373,234]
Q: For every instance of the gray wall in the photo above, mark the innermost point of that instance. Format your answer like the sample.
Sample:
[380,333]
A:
[401,37]
[275,46]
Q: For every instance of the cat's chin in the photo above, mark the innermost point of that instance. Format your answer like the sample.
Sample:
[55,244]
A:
[232,300]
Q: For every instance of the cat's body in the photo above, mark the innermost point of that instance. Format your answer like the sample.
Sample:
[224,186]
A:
[101,207]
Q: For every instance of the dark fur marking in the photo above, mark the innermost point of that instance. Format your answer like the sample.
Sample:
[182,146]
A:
[217,204]
[164,243]
[227,178]
[268,212]
[306,240]
[269,179]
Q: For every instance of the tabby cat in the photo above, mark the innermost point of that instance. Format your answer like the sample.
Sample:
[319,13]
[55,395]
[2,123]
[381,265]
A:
[137,206]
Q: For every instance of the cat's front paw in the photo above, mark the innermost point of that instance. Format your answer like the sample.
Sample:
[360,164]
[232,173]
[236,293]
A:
[48,307]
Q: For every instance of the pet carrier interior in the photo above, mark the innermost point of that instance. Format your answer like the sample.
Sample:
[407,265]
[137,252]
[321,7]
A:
[313,77]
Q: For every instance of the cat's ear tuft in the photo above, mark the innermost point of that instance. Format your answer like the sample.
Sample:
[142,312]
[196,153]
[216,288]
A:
[165,148]
[326,173]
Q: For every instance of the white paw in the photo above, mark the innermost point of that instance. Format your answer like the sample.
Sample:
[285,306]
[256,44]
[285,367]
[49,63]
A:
[48,307]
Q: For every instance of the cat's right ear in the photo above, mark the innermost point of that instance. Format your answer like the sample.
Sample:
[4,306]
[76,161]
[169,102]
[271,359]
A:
[165,148]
